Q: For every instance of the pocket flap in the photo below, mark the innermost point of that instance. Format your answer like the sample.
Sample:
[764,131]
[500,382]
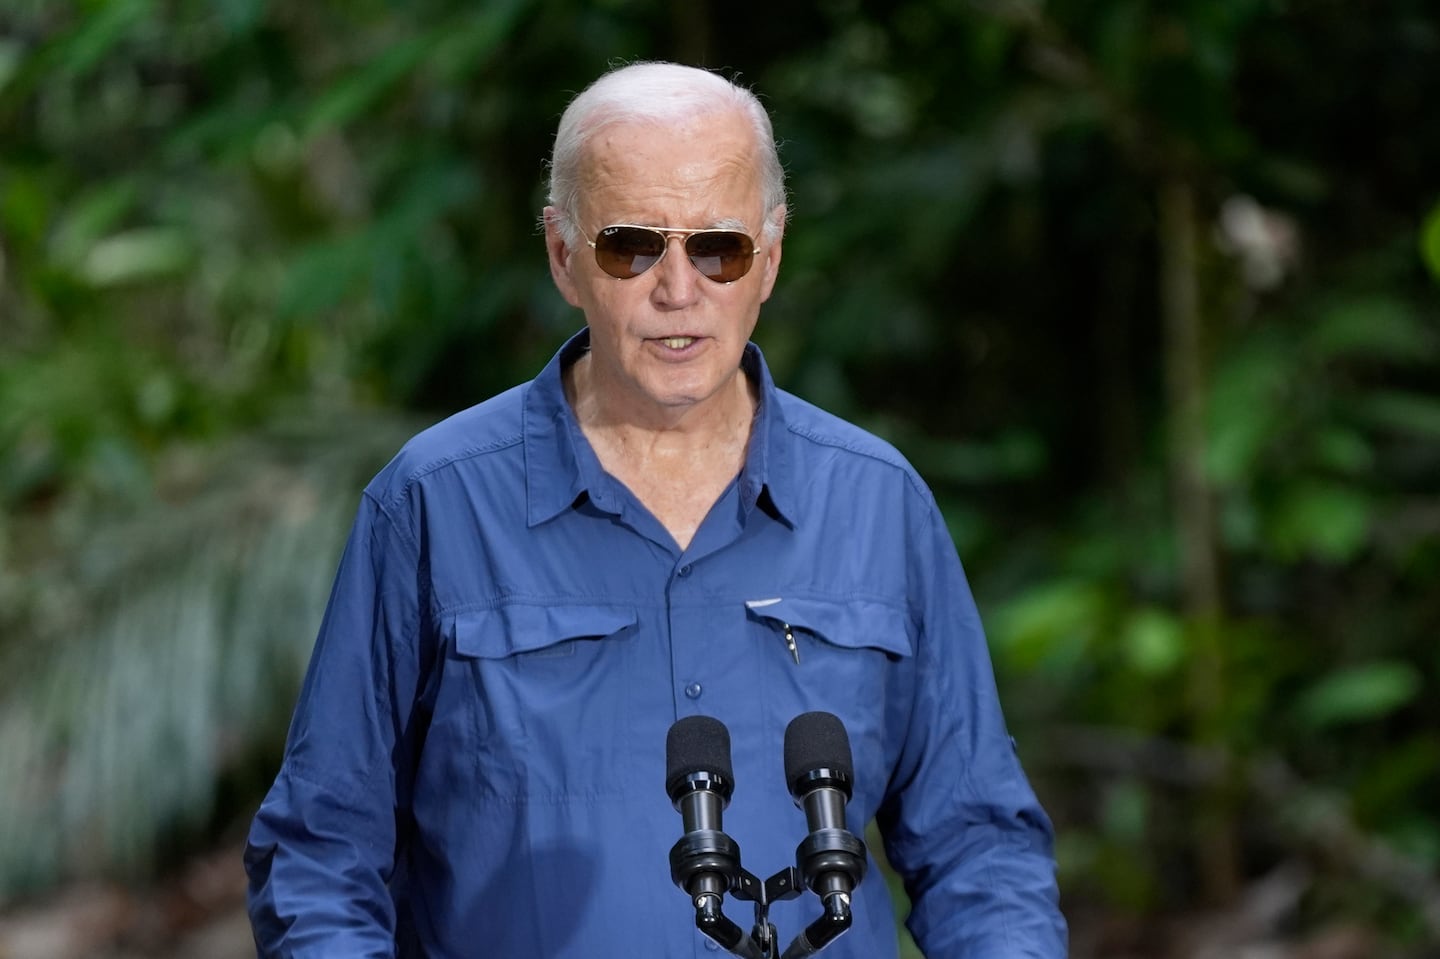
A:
[514,628]
[851,624]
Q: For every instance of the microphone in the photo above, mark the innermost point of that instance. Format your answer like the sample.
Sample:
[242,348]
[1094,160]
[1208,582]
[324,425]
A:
[705,862]
[819,771]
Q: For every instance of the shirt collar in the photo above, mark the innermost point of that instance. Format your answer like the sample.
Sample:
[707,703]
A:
[561,468]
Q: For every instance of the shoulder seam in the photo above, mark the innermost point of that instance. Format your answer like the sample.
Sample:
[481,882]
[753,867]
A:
[896,462]
[425,469]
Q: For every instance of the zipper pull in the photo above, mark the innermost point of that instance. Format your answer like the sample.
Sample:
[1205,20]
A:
[790,644]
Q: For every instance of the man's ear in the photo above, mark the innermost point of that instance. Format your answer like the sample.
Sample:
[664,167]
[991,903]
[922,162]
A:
[559,254]
[770,255]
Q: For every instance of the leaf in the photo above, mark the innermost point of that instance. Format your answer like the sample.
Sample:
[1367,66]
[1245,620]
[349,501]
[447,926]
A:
[1412,413]
[464,46]
[106,26]
[240,16]
[1376,327]
[1360,694]
[357,92]
[1015,454]
[92,215]
[12,54]
[1120,31]
[1344,450]
[321,275]
[1051,625]
[1430,242]
[1125,811]
[1154,642]
[1245,409]
[137,255]
[1321,520]
[26,202]
[325,273]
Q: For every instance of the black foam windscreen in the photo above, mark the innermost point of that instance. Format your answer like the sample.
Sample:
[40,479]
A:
[696,744]
[816,741]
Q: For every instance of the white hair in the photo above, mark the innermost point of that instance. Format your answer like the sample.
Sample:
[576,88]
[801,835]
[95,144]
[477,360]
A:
[656,92]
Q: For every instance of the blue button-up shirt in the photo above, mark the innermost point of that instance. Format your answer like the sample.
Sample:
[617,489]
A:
[476,764]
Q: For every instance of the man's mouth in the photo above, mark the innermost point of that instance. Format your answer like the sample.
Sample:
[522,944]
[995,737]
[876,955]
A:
[677,342]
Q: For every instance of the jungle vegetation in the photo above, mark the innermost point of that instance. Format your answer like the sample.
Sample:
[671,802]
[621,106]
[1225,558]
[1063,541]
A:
[1147,291]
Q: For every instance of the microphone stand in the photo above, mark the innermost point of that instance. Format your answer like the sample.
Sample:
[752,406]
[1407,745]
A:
[763,941]
[785,884]
[706,864]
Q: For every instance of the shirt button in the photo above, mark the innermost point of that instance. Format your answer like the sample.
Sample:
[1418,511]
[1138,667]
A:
[711,944]
[693,691]
[685,571]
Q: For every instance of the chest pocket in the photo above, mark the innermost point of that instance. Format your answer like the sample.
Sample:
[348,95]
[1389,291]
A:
[518,629]
[544,691]
[855,659]
[853,624]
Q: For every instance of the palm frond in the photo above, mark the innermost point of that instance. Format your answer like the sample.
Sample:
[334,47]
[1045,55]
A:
[151,680]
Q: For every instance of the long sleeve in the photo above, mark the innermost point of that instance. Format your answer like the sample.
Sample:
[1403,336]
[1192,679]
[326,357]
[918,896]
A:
[963,825]
[476,763]
[322,849]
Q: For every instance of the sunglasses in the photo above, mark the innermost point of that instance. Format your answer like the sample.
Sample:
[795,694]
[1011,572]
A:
[624,251]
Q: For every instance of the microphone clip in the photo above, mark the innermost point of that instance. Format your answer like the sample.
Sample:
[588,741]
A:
[706,864]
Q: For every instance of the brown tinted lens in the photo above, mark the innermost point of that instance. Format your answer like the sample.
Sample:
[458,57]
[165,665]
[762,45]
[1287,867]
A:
[721,255]
[626,251]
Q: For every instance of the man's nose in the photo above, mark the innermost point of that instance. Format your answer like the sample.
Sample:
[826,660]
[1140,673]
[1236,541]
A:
[676,284]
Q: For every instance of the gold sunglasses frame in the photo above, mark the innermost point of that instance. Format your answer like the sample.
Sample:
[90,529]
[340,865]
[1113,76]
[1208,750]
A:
[666,233]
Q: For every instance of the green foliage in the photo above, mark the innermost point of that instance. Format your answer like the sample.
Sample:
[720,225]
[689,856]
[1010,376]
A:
[145,709]
[219,217]
[1430,242]
[1360,694]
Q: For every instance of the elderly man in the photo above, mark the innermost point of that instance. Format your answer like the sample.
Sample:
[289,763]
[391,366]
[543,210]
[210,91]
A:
[536,589]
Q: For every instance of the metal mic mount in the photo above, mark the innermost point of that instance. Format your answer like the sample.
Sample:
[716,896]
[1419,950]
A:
[698,859]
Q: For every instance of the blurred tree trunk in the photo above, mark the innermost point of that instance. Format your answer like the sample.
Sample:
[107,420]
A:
[1193,504]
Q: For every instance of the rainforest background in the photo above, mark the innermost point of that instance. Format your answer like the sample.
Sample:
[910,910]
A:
[1146,290]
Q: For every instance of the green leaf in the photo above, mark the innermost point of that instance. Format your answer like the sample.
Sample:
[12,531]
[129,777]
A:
[1125,812]
[325,273]
[1323,521]
[92,215]
[98,33]
[321,275]
[1430,242]
[1120,31]
[26,202]
[464,46]
[1246,409]
[1376,327]
[137,255]
[1413,413]
[1051,625]
[1012,455]
[12,54]
[240,16]
[1344,450]
[1154,642]
[1360,694]
[356,93]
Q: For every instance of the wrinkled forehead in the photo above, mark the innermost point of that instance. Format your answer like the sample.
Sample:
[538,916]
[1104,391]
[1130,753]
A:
[701,166]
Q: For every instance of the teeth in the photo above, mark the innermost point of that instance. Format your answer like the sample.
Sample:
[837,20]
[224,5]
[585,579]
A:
[678,342]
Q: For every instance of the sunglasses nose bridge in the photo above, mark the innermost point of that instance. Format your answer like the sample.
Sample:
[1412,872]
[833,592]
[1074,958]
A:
[675,269]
